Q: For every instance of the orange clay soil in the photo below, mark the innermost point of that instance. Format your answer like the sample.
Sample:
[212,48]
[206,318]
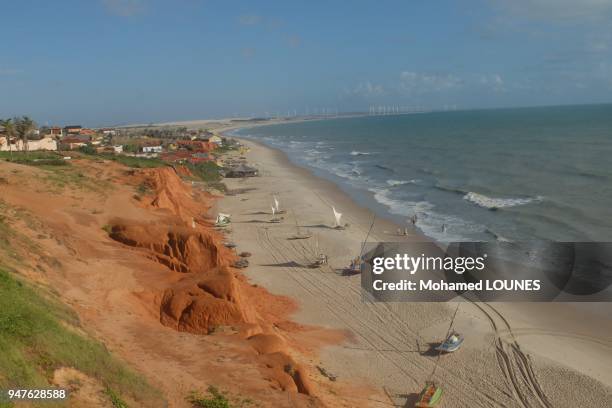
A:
[133,252]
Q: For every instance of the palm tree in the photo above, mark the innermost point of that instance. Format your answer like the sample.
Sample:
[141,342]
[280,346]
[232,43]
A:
[25,125]
[9,131]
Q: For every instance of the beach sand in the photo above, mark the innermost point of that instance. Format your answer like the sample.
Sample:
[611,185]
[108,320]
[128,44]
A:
[549,355]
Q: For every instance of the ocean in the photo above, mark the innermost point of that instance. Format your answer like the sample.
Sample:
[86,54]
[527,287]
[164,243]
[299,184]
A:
[481,175]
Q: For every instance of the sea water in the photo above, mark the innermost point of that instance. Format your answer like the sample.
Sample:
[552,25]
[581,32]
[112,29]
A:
[504,174]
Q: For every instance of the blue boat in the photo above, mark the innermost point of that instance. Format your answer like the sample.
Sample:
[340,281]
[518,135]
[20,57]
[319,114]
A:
[452,343]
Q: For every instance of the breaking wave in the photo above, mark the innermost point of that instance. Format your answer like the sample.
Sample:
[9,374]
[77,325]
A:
[492,203]
[441,227]
[356,153]
[394,183]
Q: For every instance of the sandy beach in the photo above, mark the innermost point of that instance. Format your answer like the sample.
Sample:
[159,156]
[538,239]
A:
[549,355]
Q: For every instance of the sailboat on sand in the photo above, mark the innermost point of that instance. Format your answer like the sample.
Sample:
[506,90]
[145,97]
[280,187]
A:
[321,258]
[223,220]
[275,220]
[431,394]
[354,267]
[337,218]
[277,205]
[298,233]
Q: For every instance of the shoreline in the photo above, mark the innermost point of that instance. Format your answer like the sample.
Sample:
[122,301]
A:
[391,225]
[380,331]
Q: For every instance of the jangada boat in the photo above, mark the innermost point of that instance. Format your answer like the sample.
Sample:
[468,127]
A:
[223,220]
[298,233]
[429,397]
[452,343]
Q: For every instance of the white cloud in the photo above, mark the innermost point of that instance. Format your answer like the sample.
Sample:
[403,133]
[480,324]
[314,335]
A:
[124,8]
[414,82]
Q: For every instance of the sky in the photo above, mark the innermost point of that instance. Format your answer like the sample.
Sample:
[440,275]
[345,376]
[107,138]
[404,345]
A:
[110,62]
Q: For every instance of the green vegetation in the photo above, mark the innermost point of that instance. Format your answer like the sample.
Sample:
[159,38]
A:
[58,178]
[115,399]
[9,240]
[20,127]
[136,162]
[206,171]
[215,400]
[38,335]
[88,149]
[130,161]
[209,173]
[36,158]
[60,173]
[226,147]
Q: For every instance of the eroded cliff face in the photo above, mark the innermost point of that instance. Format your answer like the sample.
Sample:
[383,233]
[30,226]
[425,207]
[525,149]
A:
[209,295]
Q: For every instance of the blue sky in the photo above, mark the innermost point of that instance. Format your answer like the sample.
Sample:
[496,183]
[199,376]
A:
[104,62]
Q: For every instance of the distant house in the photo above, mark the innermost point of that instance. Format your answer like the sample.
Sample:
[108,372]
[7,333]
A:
[56,131]
[108,132]
[71,143]
[216,140]
[152,149]
[118,148]
[46,143]
[73,130]
[87,132]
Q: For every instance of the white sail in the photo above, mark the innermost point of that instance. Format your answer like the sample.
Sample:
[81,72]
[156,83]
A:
[273,210]
[223,218]
[276,203]
[337,216]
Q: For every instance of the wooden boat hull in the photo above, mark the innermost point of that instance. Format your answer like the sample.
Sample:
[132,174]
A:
[293,237]
[429,397]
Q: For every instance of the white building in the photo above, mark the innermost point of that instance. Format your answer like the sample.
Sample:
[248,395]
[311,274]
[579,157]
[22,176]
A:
[46,143]
[118,148]
[152,149]
[215,139]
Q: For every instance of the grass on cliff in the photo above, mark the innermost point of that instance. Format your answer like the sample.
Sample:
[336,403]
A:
[35,158]
[130,161]
[38,335]
[218,399]
[207,171]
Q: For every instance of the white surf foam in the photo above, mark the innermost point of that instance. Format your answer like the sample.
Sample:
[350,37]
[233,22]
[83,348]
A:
[493,203]
[438,226]
[394,183]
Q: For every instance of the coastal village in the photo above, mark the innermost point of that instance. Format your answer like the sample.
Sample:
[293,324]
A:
[196,148]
